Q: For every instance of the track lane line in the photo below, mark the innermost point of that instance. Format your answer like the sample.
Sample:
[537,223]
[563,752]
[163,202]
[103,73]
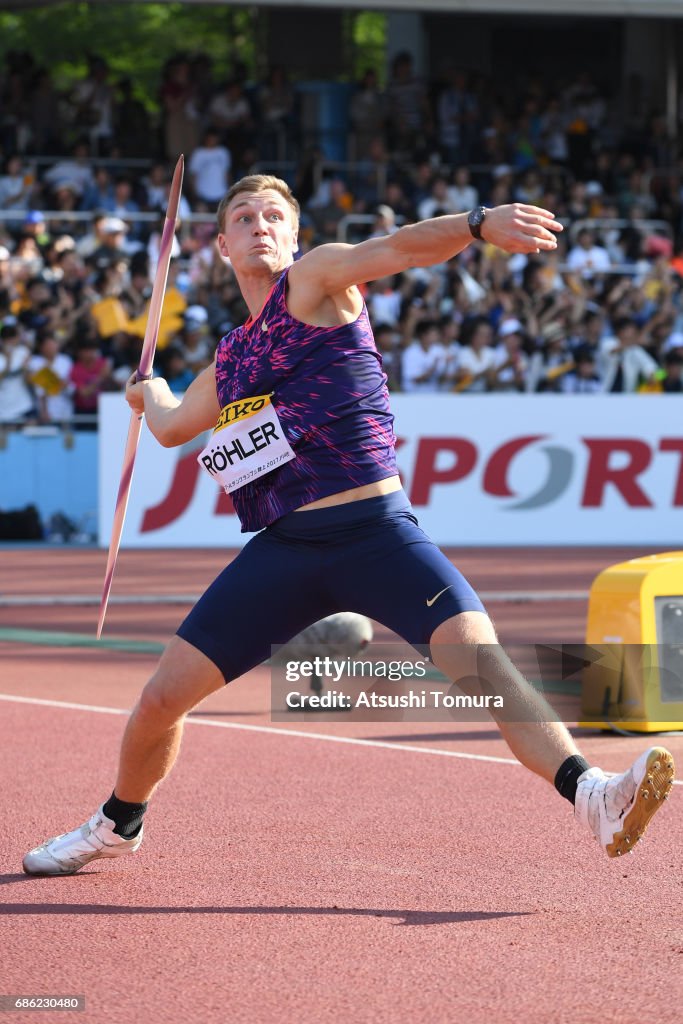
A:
[273,731]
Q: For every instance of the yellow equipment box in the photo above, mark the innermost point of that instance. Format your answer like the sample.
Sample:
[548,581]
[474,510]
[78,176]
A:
[635,638]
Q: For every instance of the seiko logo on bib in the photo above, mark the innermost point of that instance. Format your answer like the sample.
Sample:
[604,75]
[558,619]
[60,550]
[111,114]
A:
[247,442]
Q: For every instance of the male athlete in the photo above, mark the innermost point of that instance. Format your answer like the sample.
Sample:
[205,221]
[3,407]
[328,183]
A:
[304,440]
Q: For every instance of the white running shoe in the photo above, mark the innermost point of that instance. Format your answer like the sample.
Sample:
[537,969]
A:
[68,853]
[618,809]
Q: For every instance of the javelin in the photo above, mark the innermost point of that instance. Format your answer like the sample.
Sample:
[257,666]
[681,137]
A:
[144,372]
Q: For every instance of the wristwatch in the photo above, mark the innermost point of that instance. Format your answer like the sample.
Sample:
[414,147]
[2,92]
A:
[475,219]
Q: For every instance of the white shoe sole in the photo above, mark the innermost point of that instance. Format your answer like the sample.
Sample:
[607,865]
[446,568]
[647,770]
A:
[652,789]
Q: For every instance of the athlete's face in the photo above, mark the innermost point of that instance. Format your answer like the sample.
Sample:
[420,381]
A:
[259,232]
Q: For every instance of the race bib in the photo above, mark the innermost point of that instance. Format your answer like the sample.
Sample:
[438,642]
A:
[247,442]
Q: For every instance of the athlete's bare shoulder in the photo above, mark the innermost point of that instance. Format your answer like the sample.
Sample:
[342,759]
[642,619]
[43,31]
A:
[314,300]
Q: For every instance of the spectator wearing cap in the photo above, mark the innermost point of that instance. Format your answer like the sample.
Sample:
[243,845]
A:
[112,248]
[194,342]
[384,223]
[209,168]
[551,360]
[16,401]
[35,227]
[49,373]
[624,363]
[511,364]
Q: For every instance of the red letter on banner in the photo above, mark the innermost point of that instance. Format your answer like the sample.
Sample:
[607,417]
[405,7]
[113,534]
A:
[675,444]
[426,473]
[178,498]
[496,473]
[599,474]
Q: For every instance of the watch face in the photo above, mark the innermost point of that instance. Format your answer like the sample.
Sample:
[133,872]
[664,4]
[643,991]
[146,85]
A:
[476,217]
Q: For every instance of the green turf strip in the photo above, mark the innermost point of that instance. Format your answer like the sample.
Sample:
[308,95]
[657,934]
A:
[46,638]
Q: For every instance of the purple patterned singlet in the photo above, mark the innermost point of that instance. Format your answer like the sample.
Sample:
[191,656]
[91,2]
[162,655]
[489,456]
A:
[330,394]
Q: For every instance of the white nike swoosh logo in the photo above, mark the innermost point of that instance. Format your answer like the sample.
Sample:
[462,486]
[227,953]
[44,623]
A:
[436,598]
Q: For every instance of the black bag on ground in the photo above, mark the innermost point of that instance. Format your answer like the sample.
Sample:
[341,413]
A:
[21,524]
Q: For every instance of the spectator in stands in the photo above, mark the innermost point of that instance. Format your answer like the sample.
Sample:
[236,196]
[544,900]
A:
[16,188]
[587,257]
[551,360]
[180,114]
[175,369]
[367,114]
[112,243]
[457,113]
[462,194]
[423,360]
[389,347]
[93,103]
[338,205]
[125,207]
[194,342]
[384,222]
[625,365]
[384,301]
[476,358]
[155,187]
[275,101]
[44,115]
[8,289]
[408,112]
[438,202]
[131,121]
[584,378]
[672,382]
[49,373]
[75,169]
[16,401]
[90,376]
[230,112]
[209,168]
[511,364]
[100,194]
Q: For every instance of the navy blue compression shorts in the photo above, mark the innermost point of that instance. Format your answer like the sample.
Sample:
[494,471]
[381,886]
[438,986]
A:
[367,556]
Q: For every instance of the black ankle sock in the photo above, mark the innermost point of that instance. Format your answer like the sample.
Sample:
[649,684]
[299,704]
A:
[568,776]
[127,817]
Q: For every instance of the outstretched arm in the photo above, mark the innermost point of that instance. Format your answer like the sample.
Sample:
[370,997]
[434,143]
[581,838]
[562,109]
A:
[173,422]
[334,268]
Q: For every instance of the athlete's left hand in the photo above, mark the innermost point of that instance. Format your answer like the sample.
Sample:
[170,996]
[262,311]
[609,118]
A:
[135,395]
[520,228]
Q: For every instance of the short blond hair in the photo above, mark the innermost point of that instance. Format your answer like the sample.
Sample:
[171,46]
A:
[258,183]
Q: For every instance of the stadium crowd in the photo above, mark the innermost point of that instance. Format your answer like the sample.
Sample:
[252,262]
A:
[601,314]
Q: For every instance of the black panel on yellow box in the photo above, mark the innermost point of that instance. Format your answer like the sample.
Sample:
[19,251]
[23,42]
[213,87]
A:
[635,625]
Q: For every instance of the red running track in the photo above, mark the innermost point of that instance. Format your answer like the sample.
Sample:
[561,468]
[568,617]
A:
[292,878]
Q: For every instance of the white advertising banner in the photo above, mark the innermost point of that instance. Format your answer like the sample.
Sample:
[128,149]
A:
[481,470]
